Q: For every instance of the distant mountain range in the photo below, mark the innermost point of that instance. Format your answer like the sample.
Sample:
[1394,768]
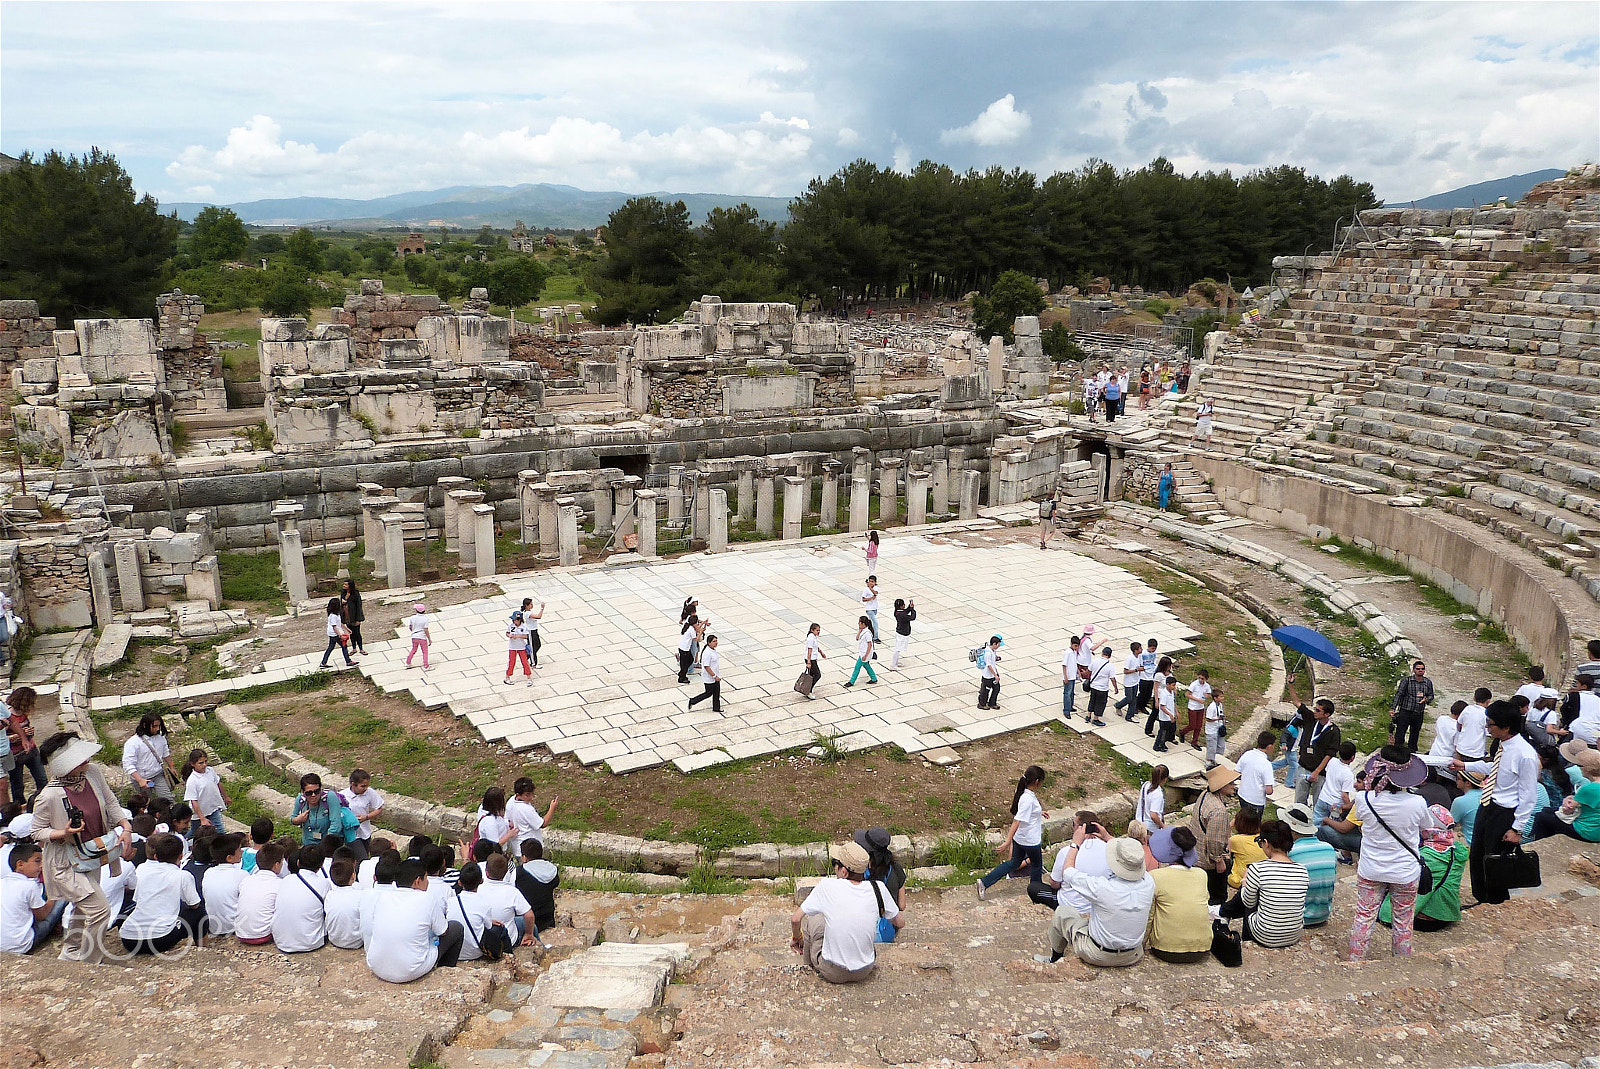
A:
[1513,188]
[538,205]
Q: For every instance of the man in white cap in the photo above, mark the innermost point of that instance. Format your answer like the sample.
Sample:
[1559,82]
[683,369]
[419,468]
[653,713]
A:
[77,819]
[837,924]
[1112,934]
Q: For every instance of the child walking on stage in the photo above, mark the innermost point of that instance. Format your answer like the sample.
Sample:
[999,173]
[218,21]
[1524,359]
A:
[417,625]
[1026,834]
[530,621]
[517,635]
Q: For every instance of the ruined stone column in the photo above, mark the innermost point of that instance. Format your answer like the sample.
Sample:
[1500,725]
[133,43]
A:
[647,522]
[287,517]
[717,539]
[130,588]
[372,531]
[1098,463]
[861,462]
[292,562]
[100,590]
[747,495]
[675,493]
[1113,481]
[700,519]
[765,489]
[602,510]
[828,517]
[466,542]
[483,538]
[917,497]
[889,491]
[971,482]
[997,366]
[394,548]
[1010,479]
[794,505]
[806,468]
[995,466]
[625,521]
[449,486]
[860,500]
[570,515]
[528,504]
[549,524]
[941,486]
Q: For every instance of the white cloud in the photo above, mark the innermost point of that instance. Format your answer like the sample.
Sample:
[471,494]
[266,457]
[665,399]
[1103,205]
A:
[848,138]
[795,121]
[257,148]
[999,124]
[902,157]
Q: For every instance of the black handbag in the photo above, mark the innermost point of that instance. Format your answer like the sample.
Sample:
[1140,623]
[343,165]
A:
[1514,868]
[1226,945]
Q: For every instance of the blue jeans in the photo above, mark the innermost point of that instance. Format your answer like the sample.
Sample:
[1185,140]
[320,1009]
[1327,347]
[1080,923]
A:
[1348,841]
[1069,697]
[43,928]
[1035,856]
[1291,765]
[216,821]
[1319,813]
[872,618]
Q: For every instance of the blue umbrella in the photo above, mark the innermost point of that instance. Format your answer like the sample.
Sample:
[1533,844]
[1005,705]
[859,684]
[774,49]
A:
[1312,644]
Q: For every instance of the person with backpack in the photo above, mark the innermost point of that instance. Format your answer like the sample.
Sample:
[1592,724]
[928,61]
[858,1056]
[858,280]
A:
[1047,518]
[988,661]
[317,811]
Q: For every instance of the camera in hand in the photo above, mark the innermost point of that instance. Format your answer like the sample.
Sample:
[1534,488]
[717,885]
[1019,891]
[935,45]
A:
[1092,828]
[75,815]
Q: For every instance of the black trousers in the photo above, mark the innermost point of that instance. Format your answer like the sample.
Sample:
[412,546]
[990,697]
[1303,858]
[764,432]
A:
[533,647]
[685,662]
[450,945]
[814,670]
[355,638]
[1216,887]
[1147,693]
[1547,824]
[1097,703]
[712,691]
[1407,726]
[1041,892]
[988,692]
[1488,837]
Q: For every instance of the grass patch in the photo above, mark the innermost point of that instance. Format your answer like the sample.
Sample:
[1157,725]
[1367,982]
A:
[1129,772]
[253,577]
[704,880]
[1365,557]
[967,852]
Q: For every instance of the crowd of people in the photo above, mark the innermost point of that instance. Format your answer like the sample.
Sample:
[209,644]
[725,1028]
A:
[165,875]
[1108,389]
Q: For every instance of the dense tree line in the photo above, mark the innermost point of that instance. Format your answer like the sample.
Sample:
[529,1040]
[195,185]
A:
[867,233]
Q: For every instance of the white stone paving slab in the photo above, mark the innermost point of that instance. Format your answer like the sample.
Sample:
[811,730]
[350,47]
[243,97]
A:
[605,690]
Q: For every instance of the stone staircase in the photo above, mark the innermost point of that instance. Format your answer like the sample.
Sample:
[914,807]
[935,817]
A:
[1193,493]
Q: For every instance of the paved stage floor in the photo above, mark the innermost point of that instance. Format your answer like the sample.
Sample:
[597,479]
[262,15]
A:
[607,691]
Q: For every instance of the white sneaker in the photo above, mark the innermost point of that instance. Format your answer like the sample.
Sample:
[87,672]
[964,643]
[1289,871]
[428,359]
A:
[982,895]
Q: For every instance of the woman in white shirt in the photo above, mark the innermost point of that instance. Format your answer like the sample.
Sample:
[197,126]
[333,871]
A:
[814,655]
[202,789]
[1026,835]
[1152,805]
[492,822]
[337,633]
[1392,824]
[146,757]
[686,641]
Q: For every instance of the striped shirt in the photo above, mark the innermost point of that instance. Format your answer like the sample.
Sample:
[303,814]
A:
[1321,863]
[1275,893]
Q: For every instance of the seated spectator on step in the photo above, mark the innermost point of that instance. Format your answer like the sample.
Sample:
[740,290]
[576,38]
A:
[27,918]
[410,934]
[220,887]
[1180,909]
[836,926]
[1175,846]
[537,880]
[436,861]
[1244,844]
[1320,861]
[1111,932]
[1273,898]
[166,904]
[343,904]
[1090,859]
[1444,851]
[261,832]
[299,921]
[1579,815]
[1139,833]
[1343,831]
[258,897]
[377,846]
[1464,810]
[884,868]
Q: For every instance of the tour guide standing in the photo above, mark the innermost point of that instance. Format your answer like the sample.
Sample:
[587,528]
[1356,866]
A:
[837,924]
[710,675]
[1411,700]
[1510,791]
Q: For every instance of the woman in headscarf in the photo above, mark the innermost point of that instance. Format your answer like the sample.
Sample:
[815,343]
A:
[1444,851]
[1393,821]
[81,826]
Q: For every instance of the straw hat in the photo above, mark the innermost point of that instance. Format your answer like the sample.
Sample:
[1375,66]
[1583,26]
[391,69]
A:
[1220,776]
[1126,858]
[850,856]
[70,756]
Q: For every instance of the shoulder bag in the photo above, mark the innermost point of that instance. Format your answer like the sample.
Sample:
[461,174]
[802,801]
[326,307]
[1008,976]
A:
[490,953]
[886,929]
[1226,945]
[1425,880]
[166,773]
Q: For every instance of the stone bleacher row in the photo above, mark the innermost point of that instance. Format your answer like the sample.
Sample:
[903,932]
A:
[1472,378]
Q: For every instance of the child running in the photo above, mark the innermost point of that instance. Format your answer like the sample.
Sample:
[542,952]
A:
[1026,834]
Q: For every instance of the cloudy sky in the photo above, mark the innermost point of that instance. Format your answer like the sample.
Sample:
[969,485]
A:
[236,101]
